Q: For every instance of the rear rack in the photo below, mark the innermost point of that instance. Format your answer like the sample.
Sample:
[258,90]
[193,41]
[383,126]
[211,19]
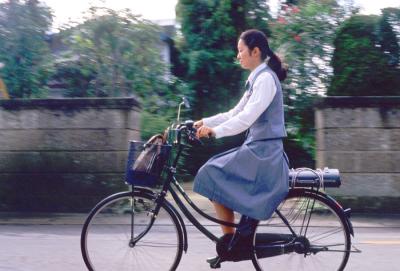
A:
[307,177]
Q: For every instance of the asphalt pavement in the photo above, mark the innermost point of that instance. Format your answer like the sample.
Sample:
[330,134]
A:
[50,241]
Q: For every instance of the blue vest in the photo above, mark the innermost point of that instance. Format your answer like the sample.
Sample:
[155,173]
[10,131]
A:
[271,123]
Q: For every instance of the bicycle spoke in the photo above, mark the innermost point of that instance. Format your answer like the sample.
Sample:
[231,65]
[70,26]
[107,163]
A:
[324,235]
[155,244]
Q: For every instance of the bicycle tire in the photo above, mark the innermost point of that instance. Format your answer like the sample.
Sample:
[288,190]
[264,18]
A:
[327,229]
[106,235]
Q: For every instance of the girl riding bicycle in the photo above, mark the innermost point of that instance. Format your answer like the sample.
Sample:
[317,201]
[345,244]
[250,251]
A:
[253,176]
[140,229]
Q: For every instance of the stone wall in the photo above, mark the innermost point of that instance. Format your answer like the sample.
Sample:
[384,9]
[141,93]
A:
[63,154]
[361,137]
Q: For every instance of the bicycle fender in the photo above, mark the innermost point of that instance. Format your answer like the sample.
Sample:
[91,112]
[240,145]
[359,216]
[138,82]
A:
[144,190]
[182,225]
[348,212]
[345,212]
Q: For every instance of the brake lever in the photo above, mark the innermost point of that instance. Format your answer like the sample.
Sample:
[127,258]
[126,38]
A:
[192,136]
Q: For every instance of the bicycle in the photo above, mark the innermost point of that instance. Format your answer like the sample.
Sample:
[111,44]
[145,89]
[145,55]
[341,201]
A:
[141,230]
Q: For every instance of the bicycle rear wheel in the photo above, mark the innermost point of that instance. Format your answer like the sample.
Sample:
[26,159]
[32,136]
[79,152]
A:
[320,221]
[121,234]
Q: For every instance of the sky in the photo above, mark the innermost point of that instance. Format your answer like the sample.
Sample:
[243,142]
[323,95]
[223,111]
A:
[155,10]
[374,6]
[164,10]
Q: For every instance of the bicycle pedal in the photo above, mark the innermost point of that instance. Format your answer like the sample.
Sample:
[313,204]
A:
[215,262]
[215,266]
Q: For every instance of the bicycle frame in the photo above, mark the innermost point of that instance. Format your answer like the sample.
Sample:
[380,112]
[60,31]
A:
[279,244]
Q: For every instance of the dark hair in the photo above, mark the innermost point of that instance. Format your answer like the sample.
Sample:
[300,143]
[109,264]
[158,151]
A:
[254,38]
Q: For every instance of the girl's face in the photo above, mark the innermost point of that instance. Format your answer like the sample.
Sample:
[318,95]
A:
[249,60]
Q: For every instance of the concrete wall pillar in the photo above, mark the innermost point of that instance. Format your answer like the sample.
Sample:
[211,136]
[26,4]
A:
[63,154]
[361,137]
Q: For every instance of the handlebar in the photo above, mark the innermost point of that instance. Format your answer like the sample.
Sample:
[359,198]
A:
[187,127]
[174,136]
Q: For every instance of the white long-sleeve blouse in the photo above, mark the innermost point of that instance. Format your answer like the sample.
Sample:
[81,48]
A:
[249,108]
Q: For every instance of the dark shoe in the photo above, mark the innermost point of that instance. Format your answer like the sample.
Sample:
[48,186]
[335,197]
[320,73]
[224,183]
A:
[223,245]
[232,247]
[247,226]
[238,246]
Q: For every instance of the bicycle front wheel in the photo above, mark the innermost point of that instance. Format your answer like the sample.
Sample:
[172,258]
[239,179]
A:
[121,233]
[321,226]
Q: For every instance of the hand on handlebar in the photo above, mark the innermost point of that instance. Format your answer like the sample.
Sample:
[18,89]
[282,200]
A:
[198,124]
[205,131]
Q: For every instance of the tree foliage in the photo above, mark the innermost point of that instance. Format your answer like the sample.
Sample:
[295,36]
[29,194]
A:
[210,31]
[303,35]
[389,29]
[113,53]
[366,57]
[24,50]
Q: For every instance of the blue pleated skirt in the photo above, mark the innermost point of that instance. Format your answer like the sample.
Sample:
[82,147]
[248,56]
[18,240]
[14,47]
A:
[252,179]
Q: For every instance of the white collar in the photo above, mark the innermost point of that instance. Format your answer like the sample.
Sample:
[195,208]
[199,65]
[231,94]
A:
[255,71]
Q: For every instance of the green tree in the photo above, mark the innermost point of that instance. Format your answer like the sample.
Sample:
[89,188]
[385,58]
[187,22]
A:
[24,50]
[366,57]
[389,38]
[113,53]
[210,31]
[303,35]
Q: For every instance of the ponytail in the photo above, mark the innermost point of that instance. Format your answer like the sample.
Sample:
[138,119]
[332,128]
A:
[255,38]
[275,63]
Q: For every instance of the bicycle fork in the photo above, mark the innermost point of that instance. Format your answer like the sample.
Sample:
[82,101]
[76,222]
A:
[153,213]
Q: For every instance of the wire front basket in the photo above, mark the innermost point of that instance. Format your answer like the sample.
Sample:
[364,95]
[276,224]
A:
[145,163]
